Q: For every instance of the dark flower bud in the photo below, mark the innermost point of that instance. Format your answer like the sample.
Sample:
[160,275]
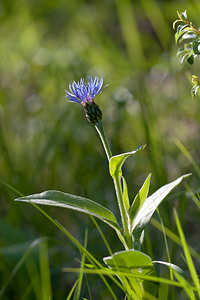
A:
[92,111]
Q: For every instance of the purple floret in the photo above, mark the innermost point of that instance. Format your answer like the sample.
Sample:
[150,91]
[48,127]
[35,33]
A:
[84,92]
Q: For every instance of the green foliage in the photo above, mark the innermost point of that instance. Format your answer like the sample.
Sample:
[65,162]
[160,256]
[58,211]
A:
[196,85]
[72,290]
[150,205]
[43,142]
[44,270]
[172,266]
[139,199]
[188,257]
[117,161]
[125,195]
[80,280]
[56,198]
[188,34]
[129,260]
[133,220]
[133,262]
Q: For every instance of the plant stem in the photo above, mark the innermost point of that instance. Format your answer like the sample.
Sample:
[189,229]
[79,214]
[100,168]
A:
[118,187]
[101,132]
[124,217]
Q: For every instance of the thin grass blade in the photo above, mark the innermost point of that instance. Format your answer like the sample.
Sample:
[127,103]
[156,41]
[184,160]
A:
[188,257]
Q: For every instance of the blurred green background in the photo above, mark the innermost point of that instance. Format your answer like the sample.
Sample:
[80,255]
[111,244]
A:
[46,143]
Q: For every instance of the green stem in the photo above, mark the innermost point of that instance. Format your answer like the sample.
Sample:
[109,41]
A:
[124,217]
[101,132]
[118,187]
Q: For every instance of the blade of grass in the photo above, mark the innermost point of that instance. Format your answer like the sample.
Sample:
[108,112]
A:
[193,196]
[187,155]
[72,290]
[26,293]
[165,240]
[130,31]
[108,272]
[45,272]
[11,187]
[102,235]
[167,250]
[173,237]
[89,256]
[188,255]
[90,296]
[80,280]
[35,279]
[18,265]
[157,20]
[125,280]
[186,286]
[148,296]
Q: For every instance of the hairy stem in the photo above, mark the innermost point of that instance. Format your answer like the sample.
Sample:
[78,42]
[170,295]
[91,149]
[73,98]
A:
[124,217]
[118,187]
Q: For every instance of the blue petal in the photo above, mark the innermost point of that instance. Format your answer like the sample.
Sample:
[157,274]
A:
[82,92]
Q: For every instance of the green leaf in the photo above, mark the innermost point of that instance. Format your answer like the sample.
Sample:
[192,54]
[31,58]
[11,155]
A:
[183,15]
[151,203]
[129,261]
[195,46]
[56,198]
[183,57]
[189,35]
[194,90]
[172,266]
[116,162]
[125,195]
[178,35]
[174,23]
[190,59]
[186,53]
[139,199]
[181,27]
[182,53]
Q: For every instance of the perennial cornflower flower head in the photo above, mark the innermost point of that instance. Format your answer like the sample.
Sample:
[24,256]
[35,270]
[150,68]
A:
[85,93]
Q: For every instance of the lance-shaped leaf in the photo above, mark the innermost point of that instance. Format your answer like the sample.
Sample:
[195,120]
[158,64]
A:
[183,15]
[139,199]
[125,195]
[196,46]
[57,198]
[117,161]
[178,35]
[132,261]
[151,203]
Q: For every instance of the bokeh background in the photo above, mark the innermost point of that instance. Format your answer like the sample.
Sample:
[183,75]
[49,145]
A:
[46,143]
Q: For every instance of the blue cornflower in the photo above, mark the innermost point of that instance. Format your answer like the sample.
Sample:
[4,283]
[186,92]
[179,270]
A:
[85,93]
